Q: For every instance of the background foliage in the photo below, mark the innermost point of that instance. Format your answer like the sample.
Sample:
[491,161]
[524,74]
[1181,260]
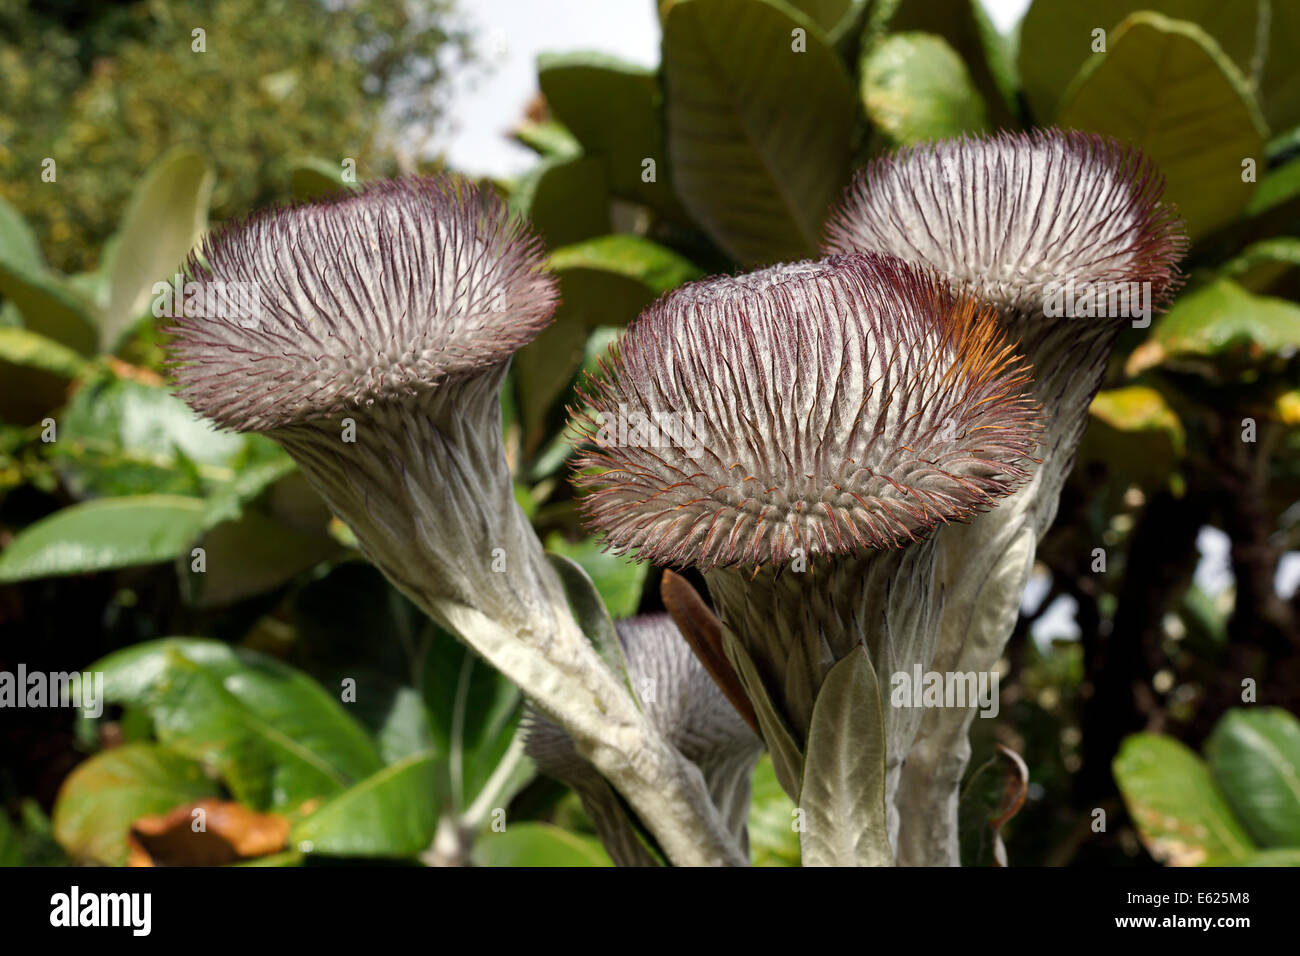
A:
[337,721]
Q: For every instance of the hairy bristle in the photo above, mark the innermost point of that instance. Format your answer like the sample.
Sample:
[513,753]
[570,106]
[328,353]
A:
[1011,215]
[834,406]
[304,312]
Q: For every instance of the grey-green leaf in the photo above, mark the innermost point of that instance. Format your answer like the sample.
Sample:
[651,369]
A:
[843,795]
[105,534]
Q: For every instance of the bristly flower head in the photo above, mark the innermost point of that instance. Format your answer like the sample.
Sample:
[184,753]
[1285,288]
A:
[835,406]
[379,295]
[1013,214]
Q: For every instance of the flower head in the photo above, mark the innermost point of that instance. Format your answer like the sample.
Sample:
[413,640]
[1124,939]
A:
[1011,215]
[835,406]
[380,295]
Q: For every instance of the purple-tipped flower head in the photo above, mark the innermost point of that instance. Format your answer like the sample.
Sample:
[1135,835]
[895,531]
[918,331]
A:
[1014,214]
[380,295]
[836,406]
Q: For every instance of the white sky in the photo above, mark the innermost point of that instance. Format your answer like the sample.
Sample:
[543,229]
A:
[487,101]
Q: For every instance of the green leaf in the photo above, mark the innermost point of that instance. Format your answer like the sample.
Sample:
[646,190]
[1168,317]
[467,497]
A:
[392,813]
[120,437]
[1260,265]
[276,736]
[773,840]
[550,139]
[826,14]
[758,134]
[787,757]
[18,244]
[1056,39]
[567,200]
[916,88]
[657,268]
[843,792]
[103,535]
[1287,856]
[105,794]
[613,109]
[474,713]
[1255,757]
[618,579]
[1277,188]
[1135,435]
[1222,331]
[1280,84]
[313,178]
[36,372]
[1181,817]
[49,306]
[538,844]
[590,610]
[966,27]
[605,281]
[1166,86]
[167,214]
[254,554]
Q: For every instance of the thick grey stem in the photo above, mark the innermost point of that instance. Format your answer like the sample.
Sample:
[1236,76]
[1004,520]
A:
[425,488]
[983,569]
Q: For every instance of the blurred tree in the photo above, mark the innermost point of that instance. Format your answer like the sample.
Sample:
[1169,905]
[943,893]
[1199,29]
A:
[106,88]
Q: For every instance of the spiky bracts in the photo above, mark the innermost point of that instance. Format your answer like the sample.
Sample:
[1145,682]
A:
[1011,215]
[682,701]
[837,407]
[336,305]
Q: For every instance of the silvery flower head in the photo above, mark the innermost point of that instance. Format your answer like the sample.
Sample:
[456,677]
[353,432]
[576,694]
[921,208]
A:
[380,333]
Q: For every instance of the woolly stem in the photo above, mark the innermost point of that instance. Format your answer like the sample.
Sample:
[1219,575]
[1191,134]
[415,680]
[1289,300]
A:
[983,569]
[796,626]
[425,488]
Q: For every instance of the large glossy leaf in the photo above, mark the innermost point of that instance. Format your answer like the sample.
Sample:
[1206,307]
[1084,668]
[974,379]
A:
[254,554]
[121,437]
[1181,816]
[105,534]
[1056,39]
[392,813]
[167,214]
[567,200]
[965,26]
[916,88]
[1166,86]
[1255,756]
[105,794]
[276,737]
[538,844]
[613,108]
[758,134]
[1222,331]
[843,793]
